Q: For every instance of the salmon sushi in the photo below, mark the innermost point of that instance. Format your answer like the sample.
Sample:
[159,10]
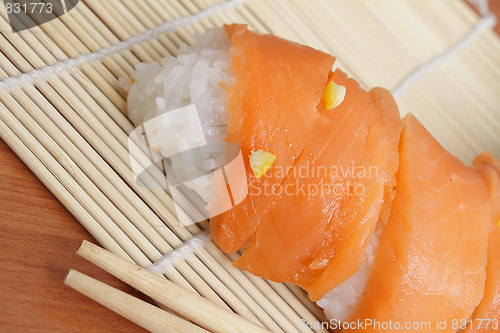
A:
[335,217]
[286,114]
[430,266]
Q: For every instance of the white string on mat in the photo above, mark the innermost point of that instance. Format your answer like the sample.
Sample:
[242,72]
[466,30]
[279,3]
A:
[488,21]
[180,252]
[124,45]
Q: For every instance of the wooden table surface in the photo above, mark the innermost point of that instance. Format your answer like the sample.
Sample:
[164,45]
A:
[38,240]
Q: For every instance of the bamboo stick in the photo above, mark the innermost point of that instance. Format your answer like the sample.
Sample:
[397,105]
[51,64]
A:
[76,173]
[3,75]
[98,33]
[28,50]
[16,58]
[110,78]
[151,51]
[75,189]
[160,10]
[153,13]
[194,308]
[123,68]
[59,191]
[107,19]
[89,16]
[148,21]
[292,319]
[101,83]
[178,8]
[19,43]
[174,37]
[168,44]
[172,12]
[124,158]
[141,54]
[54,34]
[142,313]
[38,37]
[189,6]
[7,66]
[126,19]
[34,44]
[84,43]
[64,28]
[108,150]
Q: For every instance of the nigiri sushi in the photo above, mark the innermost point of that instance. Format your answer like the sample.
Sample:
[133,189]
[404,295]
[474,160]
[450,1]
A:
[324,243]
[331,172]
[430,264]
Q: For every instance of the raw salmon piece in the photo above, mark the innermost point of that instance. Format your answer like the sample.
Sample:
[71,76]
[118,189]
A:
[430,264]
[272,107]
[316,231]
[384,100]
[489,167]
[487,315]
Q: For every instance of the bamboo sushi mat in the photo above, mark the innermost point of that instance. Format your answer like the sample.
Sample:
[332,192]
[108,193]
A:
[62,111]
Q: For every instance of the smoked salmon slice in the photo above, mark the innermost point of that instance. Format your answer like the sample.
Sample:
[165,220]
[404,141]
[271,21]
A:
[430,264]
[272,107]
[487,315]
[316,230]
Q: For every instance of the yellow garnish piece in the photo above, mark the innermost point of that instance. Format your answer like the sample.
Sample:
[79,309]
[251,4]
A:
[261,161]
[498,223]
[333,95]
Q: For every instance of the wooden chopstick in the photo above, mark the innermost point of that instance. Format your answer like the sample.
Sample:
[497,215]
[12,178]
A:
[195,308]
[142,313]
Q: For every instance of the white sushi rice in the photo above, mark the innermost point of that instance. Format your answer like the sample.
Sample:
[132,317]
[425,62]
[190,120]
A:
[340,302]
[193,77]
